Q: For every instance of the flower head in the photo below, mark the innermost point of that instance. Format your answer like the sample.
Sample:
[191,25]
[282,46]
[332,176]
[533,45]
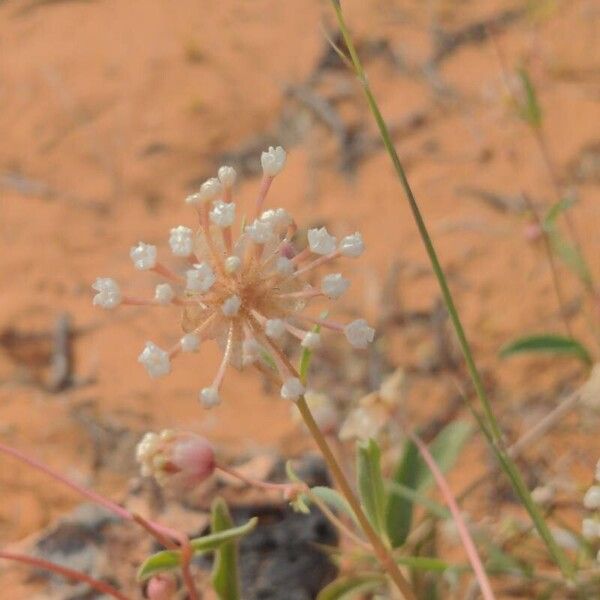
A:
[109,293]
[182,241]
[143,256]
[248,293]
[273,160]
[176,459]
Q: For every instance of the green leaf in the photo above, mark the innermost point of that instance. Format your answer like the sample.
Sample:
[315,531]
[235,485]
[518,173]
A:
[334,499]
[225,578]
[397,489]
[370,483]
[530,109]
[170,559]
[347,587]
[425,563]
[445,448]
[547,343]
[399,510]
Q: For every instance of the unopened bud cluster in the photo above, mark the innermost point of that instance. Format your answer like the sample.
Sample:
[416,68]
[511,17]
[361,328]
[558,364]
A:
[248,293]
[176,459]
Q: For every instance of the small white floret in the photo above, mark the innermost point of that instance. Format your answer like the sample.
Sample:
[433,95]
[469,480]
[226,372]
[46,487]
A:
[292,389]
[210,190]
[278,218]
[359,334]
[591,500]
[164,293]
[320,241]
[181,241]
[200,279]
[190,342]
[155,360]
[259,231]
[273,160]
[274,328]
[227,176]
[311,341]
[334,285]
[231,306]
[209,397]
[232,264]
[109,293]
[590,529]
[223,213]
[352,245]
[284,266]
[143,256]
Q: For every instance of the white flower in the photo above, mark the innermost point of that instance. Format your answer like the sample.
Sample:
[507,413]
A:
[273,160]
[359,334]
[200,279]
[352,245]
[155,360]
[320,242]
[591,500]
[274,328]
[190,342]
[223,213]
[231,306]
[143,256]
[232,264]
[181,241]
[590,529]
[109,293]
[227,176]
[284,266]
[260,231]
[292,389]
[334,285]
[164,293]
[210,189]
[311,341]
[278,218]
[209,397]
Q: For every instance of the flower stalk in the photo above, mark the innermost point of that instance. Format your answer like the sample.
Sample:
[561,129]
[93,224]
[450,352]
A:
[492,429]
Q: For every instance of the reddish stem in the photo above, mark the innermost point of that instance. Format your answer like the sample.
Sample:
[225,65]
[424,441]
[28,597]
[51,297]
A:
[99,586]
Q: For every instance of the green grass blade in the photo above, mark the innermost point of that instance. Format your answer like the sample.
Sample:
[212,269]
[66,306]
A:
[547,343]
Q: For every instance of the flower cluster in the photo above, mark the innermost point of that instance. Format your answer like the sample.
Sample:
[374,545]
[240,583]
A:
[246,293]
[176,459]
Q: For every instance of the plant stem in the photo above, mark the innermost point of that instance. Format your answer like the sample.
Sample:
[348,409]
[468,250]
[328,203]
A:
[492,429]
[383,554]
[40,563]
[463,530]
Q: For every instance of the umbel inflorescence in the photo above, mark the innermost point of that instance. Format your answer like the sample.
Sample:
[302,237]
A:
[245,293]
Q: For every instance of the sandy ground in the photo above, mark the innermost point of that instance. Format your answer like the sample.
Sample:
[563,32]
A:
[111,112]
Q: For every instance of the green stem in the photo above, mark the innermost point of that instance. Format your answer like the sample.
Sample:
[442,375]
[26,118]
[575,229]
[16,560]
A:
[492,430]
[383,554]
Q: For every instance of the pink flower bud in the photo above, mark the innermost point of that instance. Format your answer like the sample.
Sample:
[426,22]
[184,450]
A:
[176,459]
[161,587]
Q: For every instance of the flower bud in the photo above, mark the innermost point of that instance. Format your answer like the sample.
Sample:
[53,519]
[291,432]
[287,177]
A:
[161,587]
[176,459]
